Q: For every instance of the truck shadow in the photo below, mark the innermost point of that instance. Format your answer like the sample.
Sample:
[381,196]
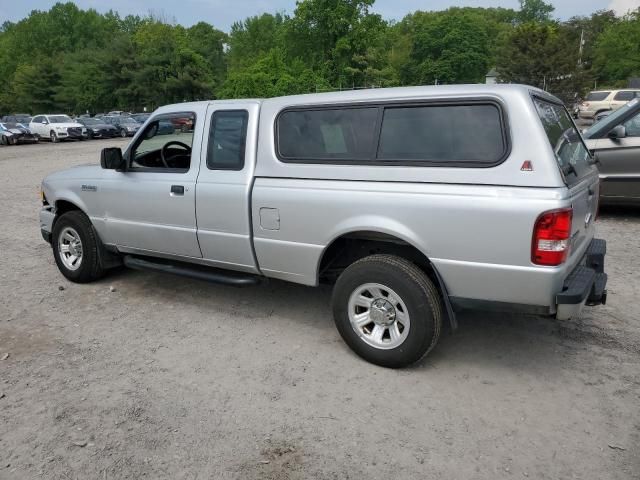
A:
[508,340]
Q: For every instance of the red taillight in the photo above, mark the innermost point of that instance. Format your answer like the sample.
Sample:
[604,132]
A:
[551,235]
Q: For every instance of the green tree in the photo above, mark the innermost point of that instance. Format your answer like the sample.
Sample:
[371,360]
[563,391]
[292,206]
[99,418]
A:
[457,45]
[539,54]
[335,37]
[617,51]
[535,11]
[253,38]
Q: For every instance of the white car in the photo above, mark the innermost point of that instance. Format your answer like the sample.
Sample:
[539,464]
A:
[57,127]
[601,101]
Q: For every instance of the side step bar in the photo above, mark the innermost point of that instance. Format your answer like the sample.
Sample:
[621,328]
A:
[197,272]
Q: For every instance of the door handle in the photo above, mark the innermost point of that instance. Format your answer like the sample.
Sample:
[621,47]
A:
[177,190]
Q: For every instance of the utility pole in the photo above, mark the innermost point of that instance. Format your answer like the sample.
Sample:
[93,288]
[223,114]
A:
[582,42]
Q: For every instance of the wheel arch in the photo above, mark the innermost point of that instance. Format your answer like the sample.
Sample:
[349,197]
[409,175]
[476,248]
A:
[66,204]
[108,258]
[352,245]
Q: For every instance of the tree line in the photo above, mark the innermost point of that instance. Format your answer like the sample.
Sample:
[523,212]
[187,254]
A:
[73,60]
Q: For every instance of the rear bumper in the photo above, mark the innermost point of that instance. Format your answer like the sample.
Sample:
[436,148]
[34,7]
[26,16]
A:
[586,284]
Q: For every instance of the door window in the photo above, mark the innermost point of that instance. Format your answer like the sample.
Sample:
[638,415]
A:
[625,96]
[165,144]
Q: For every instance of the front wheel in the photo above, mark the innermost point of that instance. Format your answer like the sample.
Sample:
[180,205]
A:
[387,310]
[123,133]
[54,137]
[75,248]
[4,140]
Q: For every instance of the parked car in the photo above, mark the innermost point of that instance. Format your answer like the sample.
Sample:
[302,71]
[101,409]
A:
[165,128]
[24,118]
[97,128]
[57,127]
[117,113]
[412,202]
[605,100]
[14,133]
[126,126]
[182,124]
[615,143]
[141,117]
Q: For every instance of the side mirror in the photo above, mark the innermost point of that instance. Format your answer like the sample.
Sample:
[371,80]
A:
[44,122]
[111,159]
[617,132]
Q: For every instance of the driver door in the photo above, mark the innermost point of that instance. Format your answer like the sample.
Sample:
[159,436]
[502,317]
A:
[150,208]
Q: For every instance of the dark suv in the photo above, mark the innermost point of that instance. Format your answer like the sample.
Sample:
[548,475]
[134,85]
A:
[126,126]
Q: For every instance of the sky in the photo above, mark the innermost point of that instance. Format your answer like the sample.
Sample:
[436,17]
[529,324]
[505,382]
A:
[222,13]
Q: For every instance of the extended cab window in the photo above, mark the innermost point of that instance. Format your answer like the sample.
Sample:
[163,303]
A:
[443,134]
[570,152]
[227,138]
[165,144]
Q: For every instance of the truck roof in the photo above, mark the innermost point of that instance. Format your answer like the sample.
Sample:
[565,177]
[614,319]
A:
[376,94]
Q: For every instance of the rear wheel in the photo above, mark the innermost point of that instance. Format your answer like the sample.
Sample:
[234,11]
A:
[387,310]
[75,248]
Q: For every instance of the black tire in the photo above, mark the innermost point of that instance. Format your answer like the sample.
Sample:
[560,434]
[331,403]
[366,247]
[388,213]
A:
[4,140]
[90,268]
[53,136]
[418,294]
[123,133]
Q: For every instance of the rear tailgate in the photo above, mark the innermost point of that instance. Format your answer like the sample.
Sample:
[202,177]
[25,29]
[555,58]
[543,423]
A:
[578,171]
[584,201]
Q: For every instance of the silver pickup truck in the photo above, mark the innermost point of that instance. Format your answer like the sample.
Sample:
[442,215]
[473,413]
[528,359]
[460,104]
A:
[412,202]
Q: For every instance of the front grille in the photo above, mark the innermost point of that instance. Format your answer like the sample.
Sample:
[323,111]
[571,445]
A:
[74,131]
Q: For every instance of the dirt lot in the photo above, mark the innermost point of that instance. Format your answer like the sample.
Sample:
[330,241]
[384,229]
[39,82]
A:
[171,378]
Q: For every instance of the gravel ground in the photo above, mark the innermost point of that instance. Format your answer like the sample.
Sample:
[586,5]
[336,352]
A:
[166,377]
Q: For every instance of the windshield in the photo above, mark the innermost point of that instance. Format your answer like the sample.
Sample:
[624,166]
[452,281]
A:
[611,119]
[60,119]
[571,154]
[90,121]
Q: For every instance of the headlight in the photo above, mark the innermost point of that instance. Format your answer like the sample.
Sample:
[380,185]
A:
[84,130]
